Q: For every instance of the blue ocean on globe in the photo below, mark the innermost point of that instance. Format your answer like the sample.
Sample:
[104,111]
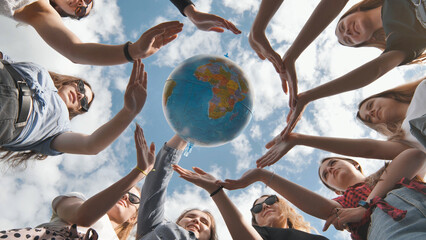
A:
[207,100]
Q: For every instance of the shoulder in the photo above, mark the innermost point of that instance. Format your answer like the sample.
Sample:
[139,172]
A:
[36,13]
[77,196]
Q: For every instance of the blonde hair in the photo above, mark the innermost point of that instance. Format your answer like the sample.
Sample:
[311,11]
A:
[378,39]
[404,94]
[294,220]
[123,230]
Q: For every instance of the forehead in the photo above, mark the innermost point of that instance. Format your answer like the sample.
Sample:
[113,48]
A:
[261,199]
[134,191]
[197,213]
[324,165]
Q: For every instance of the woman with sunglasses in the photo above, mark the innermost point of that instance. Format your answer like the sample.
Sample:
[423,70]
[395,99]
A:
[37,105]
[110,214]
[272,218]
[45,17]
[359,193]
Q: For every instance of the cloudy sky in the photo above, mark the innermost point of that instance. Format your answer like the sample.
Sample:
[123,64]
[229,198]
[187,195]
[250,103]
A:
[26,194]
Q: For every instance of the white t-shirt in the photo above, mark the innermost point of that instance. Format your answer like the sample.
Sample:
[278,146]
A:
[103,226]
[416,109]
[8,7]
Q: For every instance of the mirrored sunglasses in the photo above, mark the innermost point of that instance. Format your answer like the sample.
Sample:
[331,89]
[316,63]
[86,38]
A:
[84,101]
[80,12]
[133,198]
[268,201]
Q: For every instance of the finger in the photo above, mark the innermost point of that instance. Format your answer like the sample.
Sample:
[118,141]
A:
[169,39]
[328,222]
[152,148]
[216,29]
[232,27]
[145,80]
[284,83]
[260,55]
[199,170]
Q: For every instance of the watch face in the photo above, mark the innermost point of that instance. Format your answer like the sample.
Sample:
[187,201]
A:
[363,204]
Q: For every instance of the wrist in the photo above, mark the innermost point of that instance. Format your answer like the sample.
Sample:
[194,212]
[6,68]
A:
[264,176]
[215,191]
[189,10]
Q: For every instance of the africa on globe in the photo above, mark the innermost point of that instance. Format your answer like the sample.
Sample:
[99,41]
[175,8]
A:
[207,100]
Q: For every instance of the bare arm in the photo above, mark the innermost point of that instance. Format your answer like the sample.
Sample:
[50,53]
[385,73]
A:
[134,100]
[306,200]
[324,13]
[408,164]
[47,22]
[86,213]
[358,78]
[367,148]
[237,226]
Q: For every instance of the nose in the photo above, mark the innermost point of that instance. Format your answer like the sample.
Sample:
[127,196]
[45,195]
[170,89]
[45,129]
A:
[195,220]
[80,96]
[373,113]
[81,3]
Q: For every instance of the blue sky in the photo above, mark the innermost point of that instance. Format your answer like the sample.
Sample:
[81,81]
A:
[27,194]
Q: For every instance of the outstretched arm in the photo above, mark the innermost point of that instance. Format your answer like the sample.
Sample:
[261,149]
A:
[306,200]
[47,22]
[86,213]
[134,100]
[408,164]
[368,148]
[358,78]
[257,37]
[237,226]
[153,195]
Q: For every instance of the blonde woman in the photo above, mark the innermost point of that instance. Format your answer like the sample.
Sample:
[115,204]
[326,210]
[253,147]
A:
[110,214]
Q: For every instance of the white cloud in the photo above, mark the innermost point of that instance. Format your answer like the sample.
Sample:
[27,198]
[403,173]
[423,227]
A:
[242,6]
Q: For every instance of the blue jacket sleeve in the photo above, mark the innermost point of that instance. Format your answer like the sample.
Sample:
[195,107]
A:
[153,194]
[181,4]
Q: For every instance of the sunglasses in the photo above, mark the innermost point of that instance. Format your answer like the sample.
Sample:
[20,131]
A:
[80,12]
[84,101]
[268,201]
[133,198]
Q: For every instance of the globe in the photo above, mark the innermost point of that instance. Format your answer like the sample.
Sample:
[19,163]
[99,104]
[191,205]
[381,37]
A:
[207,100]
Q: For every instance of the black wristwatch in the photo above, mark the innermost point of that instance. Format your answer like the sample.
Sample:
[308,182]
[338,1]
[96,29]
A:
[363,204]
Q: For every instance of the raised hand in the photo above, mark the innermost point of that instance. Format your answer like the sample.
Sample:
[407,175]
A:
[155,38]
[248,178]
[136,91]
[277,149]
[145,155]
[209,22]
[289,78]
[294,115]
[263,49]
[198,177]
[340,217]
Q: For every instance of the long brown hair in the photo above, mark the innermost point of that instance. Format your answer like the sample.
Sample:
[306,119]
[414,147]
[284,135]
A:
[123,230]
[294,219]
[213,232]
[378,39]
[404,94]
[18,158]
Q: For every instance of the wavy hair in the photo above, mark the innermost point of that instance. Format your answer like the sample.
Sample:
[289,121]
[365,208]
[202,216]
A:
[19,158]
[404,94]
[293,219]
[379,37]
[123,230]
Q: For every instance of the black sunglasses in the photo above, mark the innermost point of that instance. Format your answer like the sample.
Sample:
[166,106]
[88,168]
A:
[268,201]
[133,198]
[84,101]
[80,12]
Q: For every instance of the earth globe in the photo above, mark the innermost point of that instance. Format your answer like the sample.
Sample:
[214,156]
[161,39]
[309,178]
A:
[207,100]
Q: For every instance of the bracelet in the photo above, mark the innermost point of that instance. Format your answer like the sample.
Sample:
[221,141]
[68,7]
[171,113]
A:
[216,191]
[142,171]
[270,179]
[126,51]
